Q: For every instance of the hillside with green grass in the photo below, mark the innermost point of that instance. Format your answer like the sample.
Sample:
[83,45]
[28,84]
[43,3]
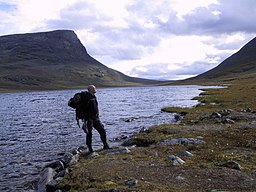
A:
[242,63]
[53,60]
[224,123]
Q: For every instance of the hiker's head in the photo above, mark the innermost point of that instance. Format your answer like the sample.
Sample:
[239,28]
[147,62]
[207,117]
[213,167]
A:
[91,89]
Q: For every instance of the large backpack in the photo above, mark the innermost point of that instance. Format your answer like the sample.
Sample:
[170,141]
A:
[79,102]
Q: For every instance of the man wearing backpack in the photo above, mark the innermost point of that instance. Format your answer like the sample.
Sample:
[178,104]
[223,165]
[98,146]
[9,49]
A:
[92,120]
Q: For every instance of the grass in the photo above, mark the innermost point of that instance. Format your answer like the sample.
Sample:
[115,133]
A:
[150,166]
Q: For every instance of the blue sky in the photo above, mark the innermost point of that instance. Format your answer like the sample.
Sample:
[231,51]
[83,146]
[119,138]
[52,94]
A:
[163,39]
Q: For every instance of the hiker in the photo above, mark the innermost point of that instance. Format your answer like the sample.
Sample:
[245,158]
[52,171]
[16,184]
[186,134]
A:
[92,120]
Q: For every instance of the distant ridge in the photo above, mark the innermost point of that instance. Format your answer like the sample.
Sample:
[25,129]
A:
[54,60]
[242,62]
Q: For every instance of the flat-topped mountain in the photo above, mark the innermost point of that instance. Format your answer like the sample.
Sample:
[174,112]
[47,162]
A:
[54,60]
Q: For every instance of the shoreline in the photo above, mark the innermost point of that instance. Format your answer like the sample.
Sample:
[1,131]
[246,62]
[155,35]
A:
[212,148]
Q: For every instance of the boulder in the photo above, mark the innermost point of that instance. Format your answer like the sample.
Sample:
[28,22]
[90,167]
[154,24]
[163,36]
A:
[56,165]
[69,159]
[231,164]
[46,177]
[175,160]
[183,141]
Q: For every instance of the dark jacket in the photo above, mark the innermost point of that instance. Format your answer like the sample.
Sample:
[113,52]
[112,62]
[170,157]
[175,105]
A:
[92,111]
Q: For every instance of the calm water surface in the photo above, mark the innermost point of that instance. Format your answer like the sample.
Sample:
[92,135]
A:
[36,128]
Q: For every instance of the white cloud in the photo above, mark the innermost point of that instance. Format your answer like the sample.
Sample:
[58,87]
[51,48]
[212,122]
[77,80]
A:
[169,39]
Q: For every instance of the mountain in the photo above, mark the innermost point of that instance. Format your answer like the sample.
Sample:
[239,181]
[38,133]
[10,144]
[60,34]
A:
[54,60]
[241,63]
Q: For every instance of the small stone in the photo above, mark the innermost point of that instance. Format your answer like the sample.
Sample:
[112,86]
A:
[176,160]
[177,117]
[131,183]
[92,155]
[231,164]
[185,154]
[180,178]
[215,115]
[118,151]
[143,129]
[228,121]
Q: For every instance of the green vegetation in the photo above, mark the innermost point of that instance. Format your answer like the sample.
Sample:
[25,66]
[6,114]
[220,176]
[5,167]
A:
[150,166]
[52,61]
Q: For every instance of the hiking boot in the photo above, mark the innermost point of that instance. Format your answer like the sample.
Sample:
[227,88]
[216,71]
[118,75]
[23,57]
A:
[106,146]
[90,149]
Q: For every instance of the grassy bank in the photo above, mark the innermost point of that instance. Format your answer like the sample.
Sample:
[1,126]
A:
[225,121]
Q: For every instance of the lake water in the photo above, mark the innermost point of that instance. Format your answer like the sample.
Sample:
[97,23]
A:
[37,127]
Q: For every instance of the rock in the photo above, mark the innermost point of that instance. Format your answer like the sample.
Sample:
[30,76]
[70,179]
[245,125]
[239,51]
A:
[183,113]
[130,119]
[139,142]
[185,154]
[231,164]
[82,149]
[143,129]
[92,155]
[61,173]
[118,151]
[176,160]
[57,166]
[180,178]
[52,185]
[131,183]
[248,110]
[228,121]
[120,138]
[69,159]
[128,142]
[215,115]
[177,117]
[75,151]
[184,141]
[46,176]
[253,174]
[225,112]
[193,121]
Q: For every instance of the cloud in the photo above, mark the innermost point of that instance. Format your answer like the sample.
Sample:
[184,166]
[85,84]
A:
[160,39]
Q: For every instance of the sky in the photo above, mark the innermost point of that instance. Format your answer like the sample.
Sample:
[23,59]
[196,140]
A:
[153,39]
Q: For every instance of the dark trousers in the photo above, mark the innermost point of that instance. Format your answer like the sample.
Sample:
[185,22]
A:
[100,128]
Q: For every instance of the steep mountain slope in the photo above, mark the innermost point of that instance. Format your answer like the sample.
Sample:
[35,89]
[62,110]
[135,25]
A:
[240,63]
[53,60]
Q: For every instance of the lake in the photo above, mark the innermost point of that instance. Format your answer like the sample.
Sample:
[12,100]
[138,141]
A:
[37,127]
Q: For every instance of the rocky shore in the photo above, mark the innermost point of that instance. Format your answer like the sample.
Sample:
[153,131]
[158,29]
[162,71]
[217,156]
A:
[212,148]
